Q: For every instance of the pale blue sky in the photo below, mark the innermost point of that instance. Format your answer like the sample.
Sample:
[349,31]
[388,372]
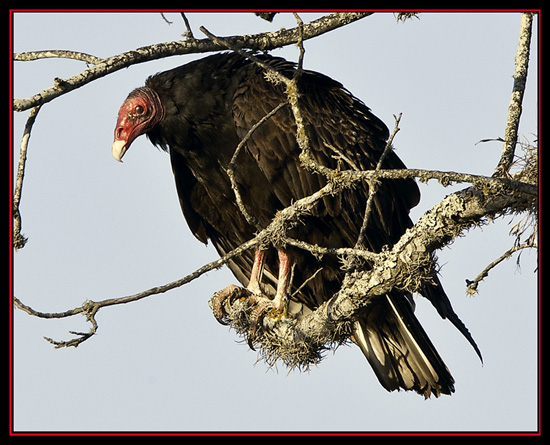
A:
[99,229]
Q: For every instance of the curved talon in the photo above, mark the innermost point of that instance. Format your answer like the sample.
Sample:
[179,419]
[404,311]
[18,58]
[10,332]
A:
[218,299]
[262,306]
[259,305]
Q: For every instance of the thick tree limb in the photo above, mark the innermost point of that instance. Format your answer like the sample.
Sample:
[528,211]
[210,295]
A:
[406,267]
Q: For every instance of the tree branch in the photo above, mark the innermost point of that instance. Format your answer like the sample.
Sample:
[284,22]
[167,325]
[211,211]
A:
[515,107]
[446,178]
[262,42]
[472,285]
[374,184]
[90,308]
[60,54]
[19,240]
[300,343]
[251,219]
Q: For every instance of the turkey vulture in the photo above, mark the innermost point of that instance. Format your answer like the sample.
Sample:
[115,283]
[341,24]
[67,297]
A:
[199,113]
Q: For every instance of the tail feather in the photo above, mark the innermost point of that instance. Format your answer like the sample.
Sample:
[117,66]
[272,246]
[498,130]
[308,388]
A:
[399,350]
[437,296]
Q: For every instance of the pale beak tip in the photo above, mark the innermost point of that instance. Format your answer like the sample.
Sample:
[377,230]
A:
[118,149]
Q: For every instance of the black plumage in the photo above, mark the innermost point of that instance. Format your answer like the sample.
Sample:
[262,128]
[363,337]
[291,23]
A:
[199,113]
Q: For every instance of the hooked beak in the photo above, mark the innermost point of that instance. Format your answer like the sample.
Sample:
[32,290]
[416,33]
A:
[118,149]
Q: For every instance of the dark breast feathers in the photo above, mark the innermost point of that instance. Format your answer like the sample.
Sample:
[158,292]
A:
[211,104]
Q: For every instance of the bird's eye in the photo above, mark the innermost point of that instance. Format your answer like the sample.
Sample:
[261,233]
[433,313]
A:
[139,109]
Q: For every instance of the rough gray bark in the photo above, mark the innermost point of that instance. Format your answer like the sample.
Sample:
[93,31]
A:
[406,266]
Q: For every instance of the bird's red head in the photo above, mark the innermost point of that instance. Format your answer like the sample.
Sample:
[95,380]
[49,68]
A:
[139,113]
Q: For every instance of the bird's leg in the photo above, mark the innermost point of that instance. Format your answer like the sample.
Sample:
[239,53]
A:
[257,272]
[280,301]
[260,303]
[263,304]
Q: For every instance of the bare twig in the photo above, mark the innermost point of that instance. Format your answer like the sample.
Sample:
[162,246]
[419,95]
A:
[90,308]
[189,33]
[252,220]
[472,285]
[300,44]
[445,178]
[19,240]
[374,184]
[165,19]
[320,251]
[63,54]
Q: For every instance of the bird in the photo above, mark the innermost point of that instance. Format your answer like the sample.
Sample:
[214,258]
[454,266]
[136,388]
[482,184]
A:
[201,111]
